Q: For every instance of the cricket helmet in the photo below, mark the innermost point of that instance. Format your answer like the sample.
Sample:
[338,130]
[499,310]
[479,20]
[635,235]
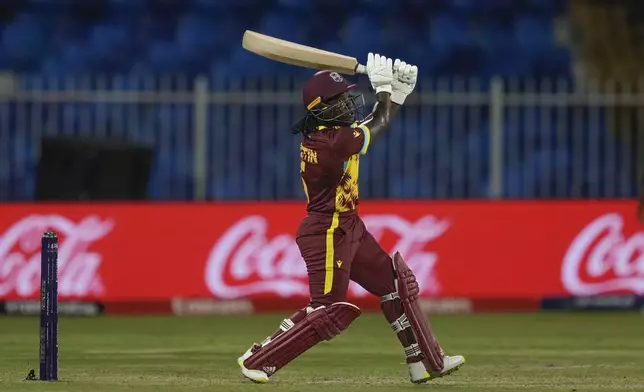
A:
[329,100]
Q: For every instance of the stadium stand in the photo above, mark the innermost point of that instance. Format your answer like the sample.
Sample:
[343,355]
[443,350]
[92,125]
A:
[128,40]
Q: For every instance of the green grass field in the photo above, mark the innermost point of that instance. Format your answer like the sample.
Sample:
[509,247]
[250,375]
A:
[535,352]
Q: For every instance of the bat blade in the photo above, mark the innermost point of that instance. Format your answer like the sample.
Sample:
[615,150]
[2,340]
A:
[300,55]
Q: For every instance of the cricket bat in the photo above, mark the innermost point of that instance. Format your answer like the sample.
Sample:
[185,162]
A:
[300,55]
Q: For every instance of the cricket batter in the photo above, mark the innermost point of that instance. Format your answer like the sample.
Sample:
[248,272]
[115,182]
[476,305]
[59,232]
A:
[333,239]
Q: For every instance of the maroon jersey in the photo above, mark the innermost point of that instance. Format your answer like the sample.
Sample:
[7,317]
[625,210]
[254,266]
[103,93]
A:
[329,167]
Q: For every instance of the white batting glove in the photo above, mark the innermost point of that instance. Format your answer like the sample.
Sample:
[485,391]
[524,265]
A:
[405,76]
[380,72]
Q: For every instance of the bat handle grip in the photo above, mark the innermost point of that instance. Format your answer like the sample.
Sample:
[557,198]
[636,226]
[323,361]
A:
[361,69]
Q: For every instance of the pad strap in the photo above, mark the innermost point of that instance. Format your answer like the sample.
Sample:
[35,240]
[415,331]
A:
[389,297]
[413,350]
[400,324]
[286,325]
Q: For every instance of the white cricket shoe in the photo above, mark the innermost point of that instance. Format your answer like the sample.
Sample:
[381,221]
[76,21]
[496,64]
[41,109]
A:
[257,376]
[419,374]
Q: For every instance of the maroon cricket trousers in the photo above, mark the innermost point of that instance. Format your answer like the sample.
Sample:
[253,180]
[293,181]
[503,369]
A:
[338,248]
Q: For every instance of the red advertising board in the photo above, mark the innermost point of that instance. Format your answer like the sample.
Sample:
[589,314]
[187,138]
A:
[138,252]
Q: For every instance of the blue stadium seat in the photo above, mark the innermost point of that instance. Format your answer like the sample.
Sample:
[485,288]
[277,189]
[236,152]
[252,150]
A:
[67,30]
[197,39]
[225,29]
[355,32]
[492,35]
[498,63]
[50,4]
[548,6]
[397,29]
[553,62]
[129,5]
[447,29]
[500,5]
[228,4]
[297,5]
[151,28]
[463,61]
[107,39]
[218,69]
[24,40]
[282,25]
[533,31]
[427,58]
[247,63]
[215,4]
[426,6]
[75,60]
[54,67]
[165,57]
[379,5]
[202,34]
[468,5]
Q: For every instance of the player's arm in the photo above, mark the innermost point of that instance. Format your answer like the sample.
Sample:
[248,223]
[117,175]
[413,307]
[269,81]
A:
[358,141]
[383,112]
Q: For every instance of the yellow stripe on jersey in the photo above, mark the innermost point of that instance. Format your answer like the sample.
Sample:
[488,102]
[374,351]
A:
[306,188]
[367,138]
[330,254]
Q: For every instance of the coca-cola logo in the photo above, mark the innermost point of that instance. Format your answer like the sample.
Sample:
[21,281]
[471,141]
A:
[245,261]
[78,266]
[602,259]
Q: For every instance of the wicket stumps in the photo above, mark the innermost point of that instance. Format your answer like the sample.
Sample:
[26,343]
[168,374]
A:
[49,307]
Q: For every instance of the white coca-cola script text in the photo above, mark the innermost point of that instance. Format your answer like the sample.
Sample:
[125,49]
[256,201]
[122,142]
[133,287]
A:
[245,261]
[78,266]
[601,259]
